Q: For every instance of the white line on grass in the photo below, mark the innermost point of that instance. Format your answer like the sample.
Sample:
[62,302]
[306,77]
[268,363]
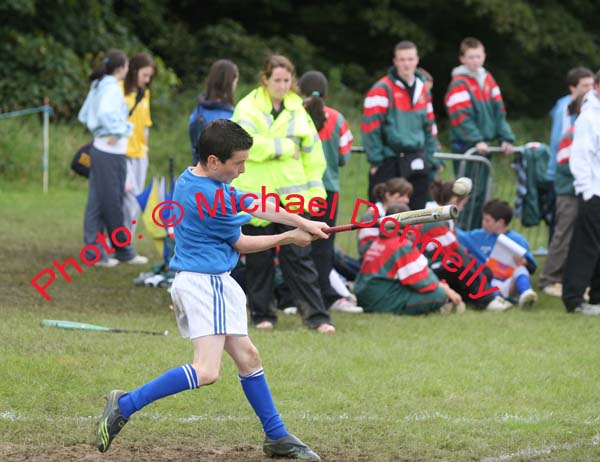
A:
[308,416]
[534,452]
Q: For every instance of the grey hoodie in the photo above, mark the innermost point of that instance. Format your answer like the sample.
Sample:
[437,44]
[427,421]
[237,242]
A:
[479,75]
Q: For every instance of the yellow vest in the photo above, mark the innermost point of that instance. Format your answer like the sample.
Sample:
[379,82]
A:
[141,120]
[271,162]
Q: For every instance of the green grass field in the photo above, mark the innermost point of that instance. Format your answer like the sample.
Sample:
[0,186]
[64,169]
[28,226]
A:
[517,386]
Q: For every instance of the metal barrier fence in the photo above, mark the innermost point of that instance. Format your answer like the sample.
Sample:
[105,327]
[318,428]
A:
[47,110]
[501,183]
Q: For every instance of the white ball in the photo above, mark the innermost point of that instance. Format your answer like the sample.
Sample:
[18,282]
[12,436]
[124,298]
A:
[462,186]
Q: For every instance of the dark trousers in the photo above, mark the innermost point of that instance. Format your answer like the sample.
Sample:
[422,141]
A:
[461,287]
[583,261]
[472,214]
[393,167]
[104,209]
[298,271]
[323,253]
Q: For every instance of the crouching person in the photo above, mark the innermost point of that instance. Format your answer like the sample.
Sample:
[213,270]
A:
[395,278]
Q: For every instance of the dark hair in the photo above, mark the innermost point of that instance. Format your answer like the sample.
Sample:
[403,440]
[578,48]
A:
[469,43]
[405,45]
[113,59]
[574,107]
[597,78]
[222,138]
[273,62]
[219,83]
[136,63]
[498,210]
[576,74]
[392,186]
[314,86]
[441,191]
[397,208]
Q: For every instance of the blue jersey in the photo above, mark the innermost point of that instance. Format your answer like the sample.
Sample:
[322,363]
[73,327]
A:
[480,243]
[204,243]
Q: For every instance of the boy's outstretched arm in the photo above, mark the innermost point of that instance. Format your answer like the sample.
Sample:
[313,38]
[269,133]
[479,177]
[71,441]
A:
[253,244]
[270,213]
[305,232]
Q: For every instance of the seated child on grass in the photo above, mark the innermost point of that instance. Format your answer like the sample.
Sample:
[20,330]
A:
[476,286]
[395,278]
[497,215]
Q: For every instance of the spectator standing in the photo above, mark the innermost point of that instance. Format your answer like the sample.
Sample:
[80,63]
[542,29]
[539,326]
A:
[580,80]
[286,158]
[477,117]
[336,139]
[105,114]
[583,261]
[398,126]
[216,103]
[136,87]
[566,210]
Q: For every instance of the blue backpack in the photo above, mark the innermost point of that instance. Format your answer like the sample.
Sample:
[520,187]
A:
[205,113]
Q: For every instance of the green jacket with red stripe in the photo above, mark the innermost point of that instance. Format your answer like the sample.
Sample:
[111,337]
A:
[390,271]
[392,123]
[336,138]
[476,109]
[563,180]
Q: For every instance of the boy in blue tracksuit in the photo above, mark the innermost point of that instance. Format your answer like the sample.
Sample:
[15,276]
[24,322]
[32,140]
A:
[497,215]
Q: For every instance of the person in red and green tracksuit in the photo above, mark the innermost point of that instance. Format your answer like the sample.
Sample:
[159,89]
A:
[336,139]
[398,126]
[393,192]
[566,209]
[477,117]
[394,277]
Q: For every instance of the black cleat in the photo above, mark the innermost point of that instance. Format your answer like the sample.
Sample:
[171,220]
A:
[289,446]
[111,422]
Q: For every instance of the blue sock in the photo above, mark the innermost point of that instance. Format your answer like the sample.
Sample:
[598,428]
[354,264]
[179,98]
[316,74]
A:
[522,283]
[179,379]
[258,394]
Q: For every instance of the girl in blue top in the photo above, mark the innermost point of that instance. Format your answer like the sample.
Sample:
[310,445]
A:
[105,114]
[216,103]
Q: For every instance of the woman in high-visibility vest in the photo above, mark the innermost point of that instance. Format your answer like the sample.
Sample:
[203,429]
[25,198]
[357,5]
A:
[286,159]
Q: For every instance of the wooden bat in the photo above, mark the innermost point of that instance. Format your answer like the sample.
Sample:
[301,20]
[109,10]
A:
[411,217]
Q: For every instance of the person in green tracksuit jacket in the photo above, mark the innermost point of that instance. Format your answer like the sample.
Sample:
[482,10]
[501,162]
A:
[477,117]
[398,127]
[395,278]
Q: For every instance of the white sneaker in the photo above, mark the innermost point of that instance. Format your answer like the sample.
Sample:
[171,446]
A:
[290,310]
[345,306]
[588,310]
[498,304]
[527,298]
[154,281]
[138,260]
[108,263]
[586,295]
[554,290]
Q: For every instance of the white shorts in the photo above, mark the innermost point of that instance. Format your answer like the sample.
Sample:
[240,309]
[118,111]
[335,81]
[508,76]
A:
[208,304]
[506,286]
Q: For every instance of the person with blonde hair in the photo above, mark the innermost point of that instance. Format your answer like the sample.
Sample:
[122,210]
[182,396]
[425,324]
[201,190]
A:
[285,160]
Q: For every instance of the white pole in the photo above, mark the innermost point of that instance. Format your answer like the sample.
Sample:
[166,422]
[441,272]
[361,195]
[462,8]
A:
[46,142]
